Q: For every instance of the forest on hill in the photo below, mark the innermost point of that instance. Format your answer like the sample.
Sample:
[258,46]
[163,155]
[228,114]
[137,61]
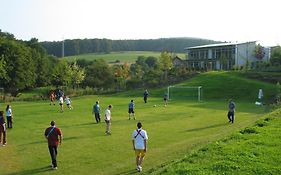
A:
[83,46]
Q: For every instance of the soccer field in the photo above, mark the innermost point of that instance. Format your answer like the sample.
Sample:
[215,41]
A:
[173,131]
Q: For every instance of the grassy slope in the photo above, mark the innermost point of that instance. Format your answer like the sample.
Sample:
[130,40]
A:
[129,57]
[225,85]
[174,130]
[254,150]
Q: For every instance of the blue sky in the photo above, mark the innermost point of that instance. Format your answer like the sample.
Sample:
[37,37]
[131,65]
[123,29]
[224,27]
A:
[223,20]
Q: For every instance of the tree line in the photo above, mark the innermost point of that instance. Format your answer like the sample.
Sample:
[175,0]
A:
[26,65]
[83,46]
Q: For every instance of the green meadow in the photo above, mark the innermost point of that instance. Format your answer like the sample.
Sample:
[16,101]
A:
[174,131]
[126,56]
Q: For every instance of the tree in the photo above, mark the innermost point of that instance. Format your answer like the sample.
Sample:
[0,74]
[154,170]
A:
[99,75]
[61,75]
[275,58]
[77,74]
[165,63]
[3,72]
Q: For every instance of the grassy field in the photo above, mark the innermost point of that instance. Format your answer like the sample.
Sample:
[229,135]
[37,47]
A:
[129,56]
[173,131]
[254,150]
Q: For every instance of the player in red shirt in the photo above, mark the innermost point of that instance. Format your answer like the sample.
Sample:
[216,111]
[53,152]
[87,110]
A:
[54,137]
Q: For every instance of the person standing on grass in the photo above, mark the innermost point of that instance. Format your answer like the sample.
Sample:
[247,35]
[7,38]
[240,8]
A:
[165,99]
[139,139]
[68,102]
[54,137]
[107,119]
[61,103]
[131,109]
[9,116]
[2,129]
[231,110]
[145,96]
[96,111]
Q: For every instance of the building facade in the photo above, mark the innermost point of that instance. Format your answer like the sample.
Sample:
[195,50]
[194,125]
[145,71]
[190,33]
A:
[226,55]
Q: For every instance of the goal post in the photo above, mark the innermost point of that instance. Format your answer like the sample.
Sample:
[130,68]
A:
[184,92]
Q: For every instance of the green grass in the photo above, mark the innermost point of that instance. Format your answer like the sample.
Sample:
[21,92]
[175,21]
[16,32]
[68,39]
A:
[173,131]
[128,57]
[254,150]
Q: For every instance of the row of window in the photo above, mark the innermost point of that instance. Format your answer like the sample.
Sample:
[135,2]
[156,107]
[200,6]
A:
[217,53]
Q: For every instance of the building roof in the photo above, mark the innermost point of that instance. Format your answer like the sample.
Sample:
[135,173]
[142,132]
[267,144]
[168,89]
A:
[218,45]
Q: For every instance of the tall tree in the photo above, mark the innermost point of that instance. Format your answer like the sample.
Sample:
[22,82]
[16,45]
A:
[275,58]
[77,74]
[165,63]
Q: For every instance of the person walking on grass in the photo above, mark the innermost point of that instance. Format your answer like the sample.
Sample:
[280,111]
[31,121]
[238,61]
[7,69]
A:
[139,139]
[107,119]
[61,103]
[2,129]
[9,115]
[96,111]
[145,96]
[54,137]
[165,99]
[131,109]
[231,110]
[68,102]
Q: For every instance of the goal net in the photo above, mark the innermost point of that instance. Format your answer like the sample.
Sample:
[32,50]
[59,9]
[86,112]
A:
[185,92]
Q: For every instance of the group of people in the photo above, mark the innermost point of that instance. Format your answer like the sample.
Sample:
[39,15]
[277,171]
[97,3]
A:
[54,137]
[4,125]
[59,95]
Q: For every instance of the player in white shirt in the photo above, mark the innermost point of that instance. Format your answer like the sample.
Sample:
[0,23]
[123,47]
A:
[107,119]
[139,139]
[68,102]
[61,103]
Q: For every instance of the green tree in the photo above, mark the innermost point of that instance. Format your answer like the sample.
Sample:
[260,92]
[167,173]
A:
[165,64]
[3,72]
[61,75]
[77,74]
[275,58]
[99,75]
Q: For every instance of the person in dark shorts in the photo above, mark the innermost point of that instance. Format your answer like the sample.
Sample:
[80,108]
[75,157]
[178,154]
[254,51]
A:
[54,137]
[231,110]
[131,109]
[165,99]
[96,111]
[145,96]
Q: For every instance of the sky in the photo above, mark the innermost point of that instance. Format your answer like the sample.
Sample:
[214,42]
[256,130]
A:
[220,20]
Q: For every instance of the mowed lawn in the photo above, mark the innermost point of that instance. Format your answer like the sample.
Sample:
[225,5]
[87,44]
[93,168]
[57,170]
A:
[125,56]
[173,131]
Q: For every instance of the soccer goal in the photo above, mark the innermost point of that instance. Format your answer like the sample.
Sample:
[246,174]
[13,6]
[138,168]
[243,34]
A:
[185,92]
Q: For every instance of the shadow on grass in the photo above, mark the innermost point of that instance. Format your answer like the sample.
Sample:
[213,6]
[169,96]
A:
[207,127]
[128,172]
[33,171]
[45,141]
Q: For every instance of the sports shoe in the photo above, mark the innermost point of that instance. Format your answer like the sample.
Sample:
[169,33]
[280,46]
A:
[139,168]
[55,168]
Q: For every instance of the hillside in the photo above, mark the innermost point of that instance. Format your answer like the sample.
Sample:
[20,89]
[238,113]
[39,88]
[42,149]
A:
[226,85]
[84,46]
[253,150]
[117,57]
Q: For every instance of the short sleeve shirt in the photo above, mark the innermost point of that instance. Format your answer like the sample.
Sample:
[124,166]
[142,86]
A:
[9,112]
[107,114]
[53,139]
[139,136]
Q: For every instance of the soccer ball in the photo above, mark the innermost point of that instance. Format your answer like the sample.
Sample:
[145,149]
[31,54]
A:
[154,105]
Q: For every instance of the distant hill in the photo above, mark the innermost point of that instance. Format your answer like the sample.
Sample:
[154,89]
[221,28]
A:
[84,46]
